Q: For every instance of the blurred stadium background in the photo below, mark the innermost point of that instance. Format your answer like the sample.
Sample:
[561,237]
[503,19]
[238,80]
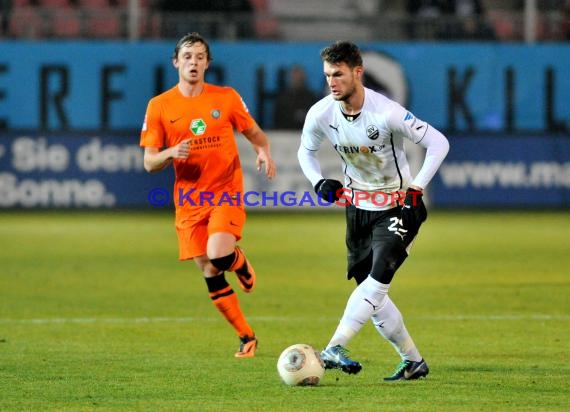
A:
[292,20]
[96,310]
[75,76]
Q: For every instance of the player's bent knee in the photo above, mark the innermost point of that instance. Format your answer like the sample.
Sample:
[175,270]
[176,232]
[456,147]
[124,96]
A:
[225,262]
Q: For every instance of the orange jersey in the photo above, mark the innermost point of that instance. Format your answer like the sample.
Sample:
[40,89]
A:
[208,120]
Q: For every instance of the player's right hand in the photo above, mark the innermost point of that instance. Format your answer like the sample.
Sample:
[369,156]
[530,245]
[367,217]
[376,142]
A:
[181,150]
[328,189]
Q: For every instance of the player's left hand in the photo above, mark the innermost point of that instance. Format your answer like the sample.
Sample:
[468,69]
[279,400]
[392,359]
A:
[265,159]
[414,211]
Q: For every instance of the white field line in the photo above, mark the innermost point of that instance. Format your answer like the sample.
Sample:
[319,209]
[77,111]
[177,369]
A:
[145,320]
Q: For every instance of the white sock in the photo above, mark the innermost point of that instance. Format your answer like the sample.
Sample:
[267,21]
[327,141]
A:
[389,323]
[365,300]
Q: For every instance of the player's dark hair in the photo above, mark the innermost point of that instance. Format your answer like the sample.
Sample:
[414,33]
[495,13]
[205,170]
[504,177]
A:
[342,52]
[189,39]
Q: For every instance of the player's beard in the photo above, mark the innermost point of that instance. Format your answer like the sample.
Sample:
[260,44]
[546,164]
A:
[345,96]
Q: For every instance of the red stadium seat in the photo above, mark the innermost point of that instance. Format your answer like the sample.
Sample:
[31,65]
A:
[26,23]
[94,3]
[142,3]
[54,3]
[502,24]
[260,5]
[103,23]
[65,22]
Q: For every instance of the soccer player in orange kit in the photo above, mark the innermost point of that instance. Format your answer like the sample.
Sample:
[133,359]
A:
[192,127]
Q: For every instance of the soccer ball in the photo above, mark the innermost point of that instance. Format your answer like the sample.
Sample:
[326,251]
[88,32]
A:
[300,365]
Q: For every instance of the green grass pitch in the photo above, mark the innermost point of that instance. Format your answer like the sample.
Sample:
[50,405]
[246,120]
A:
[96,313]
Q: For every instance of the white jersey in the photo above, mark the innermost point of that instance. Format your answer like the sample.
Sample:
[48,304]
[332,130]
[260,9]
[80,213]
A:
[371,146]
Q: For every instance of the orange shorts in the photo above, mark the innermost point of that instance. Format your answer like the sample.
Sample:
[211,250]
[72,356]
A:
[194,230]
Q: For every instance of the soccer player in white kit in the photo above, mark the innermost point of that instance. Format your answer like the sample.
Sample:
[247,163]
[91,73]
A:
[383,201]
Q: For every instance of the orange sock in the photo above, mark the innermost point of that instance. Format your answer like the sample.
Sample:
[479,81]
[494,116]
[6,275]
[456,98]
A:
[239,260]
[227,303]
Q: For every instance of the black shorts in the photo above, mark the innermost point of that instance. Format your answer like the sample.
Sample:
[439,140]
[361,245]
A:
[376,243]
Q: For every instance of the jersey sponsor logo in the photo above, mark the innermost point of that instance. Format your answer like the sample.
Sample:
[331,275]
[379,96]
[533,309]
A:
[206,142]
[216,113]
[359,149]
[198,127]
[372,132]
